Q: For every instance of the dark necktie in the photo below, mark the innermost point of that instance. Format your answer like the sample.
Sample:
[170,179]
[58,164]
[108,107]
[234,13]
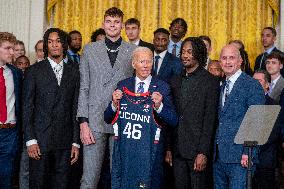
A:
[3,106]
[156,64]
[174,52]
[262,62]
[140,87]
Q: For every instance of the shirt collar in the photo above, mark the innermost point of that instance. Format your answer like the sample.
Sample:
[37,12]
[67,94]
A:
[71,53]
[136,42]
[275,80]
[270,49]
[53,64]
[178,43]
[147,81]
[4,67]
[234,77]
[162,54]
[111,44]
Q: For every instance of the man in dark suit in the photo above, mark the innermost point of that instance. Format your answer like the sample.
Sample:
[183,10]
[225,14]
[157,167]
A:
[132,30]
[178,29]
[164,111]
[10,88]
[238,93]
[166,64]
[195,94]
[75,45]
[264,176]
[50,95]
[268,37]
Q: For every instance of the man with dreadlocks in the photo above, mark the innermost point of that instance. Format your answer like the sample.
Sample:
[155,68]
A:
[195,94]
[50,95]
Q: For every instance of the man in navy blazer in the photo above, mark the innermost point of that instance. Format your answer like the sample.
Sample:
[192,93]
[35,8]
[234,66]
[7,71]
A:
[166,64]
[238,92]
[160,94]
[10,87]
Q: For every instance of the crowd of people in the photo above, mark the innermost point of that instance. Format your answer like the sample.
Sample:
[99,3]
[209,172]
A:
[127,115]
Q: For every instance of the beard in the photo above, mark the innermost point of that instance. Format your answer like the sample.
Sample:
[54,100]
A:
[55,56]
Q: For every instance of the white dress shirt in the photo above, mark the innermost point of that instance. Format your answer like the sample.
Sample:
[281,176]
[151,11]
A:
[232,79]
[10,95]
[162,56]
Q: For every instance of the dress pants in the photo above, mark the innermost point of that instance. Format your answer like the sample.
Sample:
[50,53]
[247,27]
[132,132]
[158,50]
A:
[93,157]
[264,178]
[8,150]
[186,177]
[24,170]
[51,171]
[229,175]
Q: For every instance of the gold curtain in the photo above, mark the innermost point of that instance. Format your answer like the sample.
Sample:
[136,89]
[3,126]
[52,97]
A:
[221,20]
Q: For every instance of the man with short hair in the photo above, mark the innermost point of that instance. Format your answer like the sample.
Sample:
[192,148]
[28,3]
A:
[39,51]
[238,92]
[132,30]
[103,64]
[207,41]
[195,93]
[215,69]
[10,89]
[166,64]
[264,176]
[137,161]
[75,44]
[268,38]
[50,98]
[274,64]
[178,29]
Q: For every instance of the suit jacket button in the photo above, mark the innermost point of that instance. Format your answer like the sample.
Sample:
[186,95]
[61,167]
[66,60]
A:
[181,117]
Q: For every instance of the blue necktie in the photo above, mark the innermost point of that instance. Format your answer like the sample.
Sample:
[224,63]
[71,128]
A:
[174,52]
[140,87]
[156,64]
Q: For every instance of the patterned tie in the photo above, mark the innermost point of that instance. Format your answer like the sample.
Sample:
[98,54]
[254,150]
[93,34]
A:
[174,52]
[76,58]
[227,90]
[57,70]
[140,87]
[3,106]
[271,85]
[156,64]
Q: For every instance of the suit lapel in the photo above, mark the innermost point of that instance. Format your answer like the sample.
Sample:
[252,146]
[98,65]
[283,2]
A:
[164,64]
[48,71]
[67,70]
[234,92]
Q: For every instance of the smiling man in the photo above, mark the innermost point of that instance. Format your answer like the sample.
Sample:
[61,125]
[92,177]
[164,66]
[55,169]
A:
[138,147]
[195,93]
[103,64]
[238,93]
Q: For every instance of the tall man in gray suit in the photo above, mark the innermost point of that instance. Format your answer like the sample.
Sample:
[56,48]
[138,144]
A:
[274,64]
[103,64]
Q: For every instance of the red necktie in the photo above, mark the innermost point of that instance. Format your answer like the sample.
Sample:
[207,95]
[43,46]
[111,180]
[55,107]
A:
[3,107]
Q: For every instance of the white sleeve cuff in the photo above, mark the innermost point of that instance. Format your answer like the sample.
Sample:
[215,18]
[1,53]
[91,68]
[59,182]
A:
[31,142]
[76,145]
[160,108]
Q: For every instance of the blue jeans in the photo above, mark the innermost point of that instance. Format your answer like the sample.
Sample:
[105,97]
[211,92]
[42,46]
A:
[8,149]
[229,175]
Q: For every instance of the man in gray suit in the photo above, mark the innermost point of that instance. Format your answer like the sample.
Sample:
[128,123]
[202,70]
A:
[102,65]
[274,63]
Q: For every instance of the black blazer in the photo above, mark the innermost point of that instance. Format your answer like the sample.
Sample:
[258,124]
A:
[258,60]
[145,44]
[197,120]
[49,110]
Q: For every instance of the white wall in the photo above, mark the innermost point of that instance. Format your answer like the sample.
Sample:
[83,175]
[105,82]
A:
[25,19]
